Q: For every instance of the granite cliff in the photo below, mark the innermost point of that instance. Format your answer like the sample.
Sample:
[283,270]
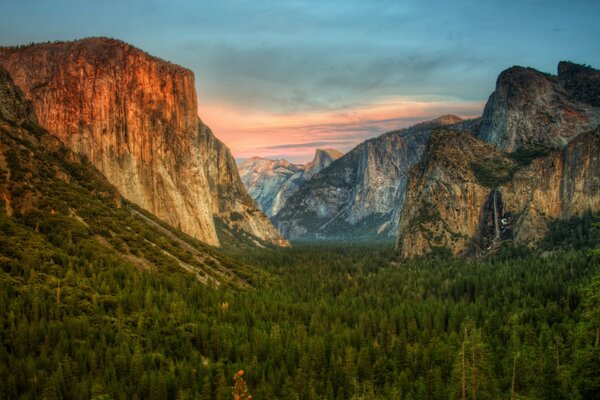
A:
[136,118]
[531,109]
[537,160]
[322,159]
[361,194]
[271,182]
[235,212]
[468,196]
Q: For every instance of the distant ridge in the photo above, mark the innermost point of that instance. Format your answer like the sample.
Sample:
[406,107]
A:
[271,182]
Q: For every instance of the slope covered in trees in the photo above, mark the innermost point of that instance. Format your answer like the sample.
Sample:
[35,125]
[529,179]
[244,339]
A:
[332,322]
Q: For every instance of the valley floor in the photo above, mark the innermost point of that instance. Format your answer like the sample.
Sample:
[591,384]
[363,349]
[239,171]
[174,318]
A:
[328,321]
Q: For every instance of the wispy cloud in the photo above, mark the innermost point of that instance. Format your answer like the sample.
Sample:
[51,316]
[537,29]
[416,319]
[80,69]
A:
[271,73]
[311,145]
[253,133]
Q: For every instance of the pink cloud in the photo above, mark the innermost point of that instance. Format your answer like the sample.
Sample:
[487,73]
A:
[259,133]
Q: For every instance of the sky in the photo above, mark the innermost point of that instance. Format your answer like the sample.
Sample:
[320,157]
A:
[278,79]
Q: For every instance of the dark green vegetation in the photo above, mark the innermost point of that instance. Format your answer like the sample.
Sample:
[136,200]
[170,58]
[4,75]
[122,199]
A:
[333,322]
[498,171]
[526,154]
[494,172]
[582,81]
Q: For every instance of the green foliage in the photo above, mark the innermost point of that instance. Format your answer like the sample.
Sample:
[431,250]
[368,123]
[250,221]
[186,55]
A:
[337,322]
[493,173]
[525,155]
[100,300]
[577,232]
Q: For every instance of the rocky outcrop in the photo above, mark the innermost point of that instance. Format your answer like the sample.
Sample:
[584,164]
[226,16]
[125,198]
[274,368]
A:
[530,109]
[467,196]
[540,163]
[230,201]
[322,159]
[271,182]
[135,117]
[361,194]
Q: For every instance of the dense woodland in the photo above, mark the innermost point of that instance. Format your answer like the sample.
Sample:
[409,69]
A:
[333,321]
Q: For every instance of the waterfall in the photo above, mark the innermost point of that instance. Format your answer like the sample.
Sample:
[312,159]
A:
[496,217]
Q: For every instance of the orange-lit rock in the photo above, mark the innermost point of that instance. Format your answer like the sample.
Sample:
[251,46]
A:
[134,116]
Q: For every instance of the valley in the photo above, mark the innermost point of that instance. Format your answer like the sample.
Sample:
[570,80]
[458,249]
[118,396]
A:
[328,321]
[435,256]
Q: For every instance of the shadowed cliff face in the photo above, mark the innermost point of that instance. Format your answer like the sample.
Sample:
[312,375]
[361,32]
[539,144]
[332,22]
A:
[533,109]
[468,196]
[230,201]
[135,117]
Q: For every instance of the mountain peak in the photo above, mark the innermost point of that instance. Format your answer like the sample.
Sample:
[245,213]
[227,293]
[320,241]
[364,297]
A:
[530,108]
[323,158]
[328,152]
[448,119]
[582,82]
[135,117]
[566,67]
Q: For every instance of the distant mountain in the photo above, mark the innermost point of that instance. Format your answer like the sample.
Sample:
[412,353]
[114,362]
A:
[271,182]
[136,119]
[322,159]
[59,212]
[538,160]
[360,195]
[370,193]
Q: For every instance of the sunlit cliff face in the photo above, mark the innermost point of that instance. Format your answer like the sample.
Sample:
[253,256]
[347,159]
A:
[295,136]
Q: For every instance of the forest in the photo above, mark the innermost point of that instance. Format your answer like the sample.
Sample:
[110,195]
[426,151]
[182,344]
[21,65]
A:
[324,321]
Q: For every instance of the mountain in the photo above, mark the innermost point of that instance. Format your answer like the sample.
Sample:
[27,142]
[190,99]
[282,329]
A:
[322,159]
[537,160]
[58,212]
[360,195]
[468,196]
[531,109]
[136,119]
[271,182]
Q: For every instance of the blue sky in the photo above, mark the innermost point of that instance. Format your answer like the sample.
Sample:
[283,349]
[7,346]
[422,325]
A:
[274,74]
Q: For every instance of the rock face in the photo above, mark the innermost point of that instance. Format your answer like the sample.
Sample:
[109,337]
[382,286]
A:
[55,202]
[230,201]
[323,159]
[540,162]
[468,196]
[361,194]
[271,182]
[135,117]
[532,109]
